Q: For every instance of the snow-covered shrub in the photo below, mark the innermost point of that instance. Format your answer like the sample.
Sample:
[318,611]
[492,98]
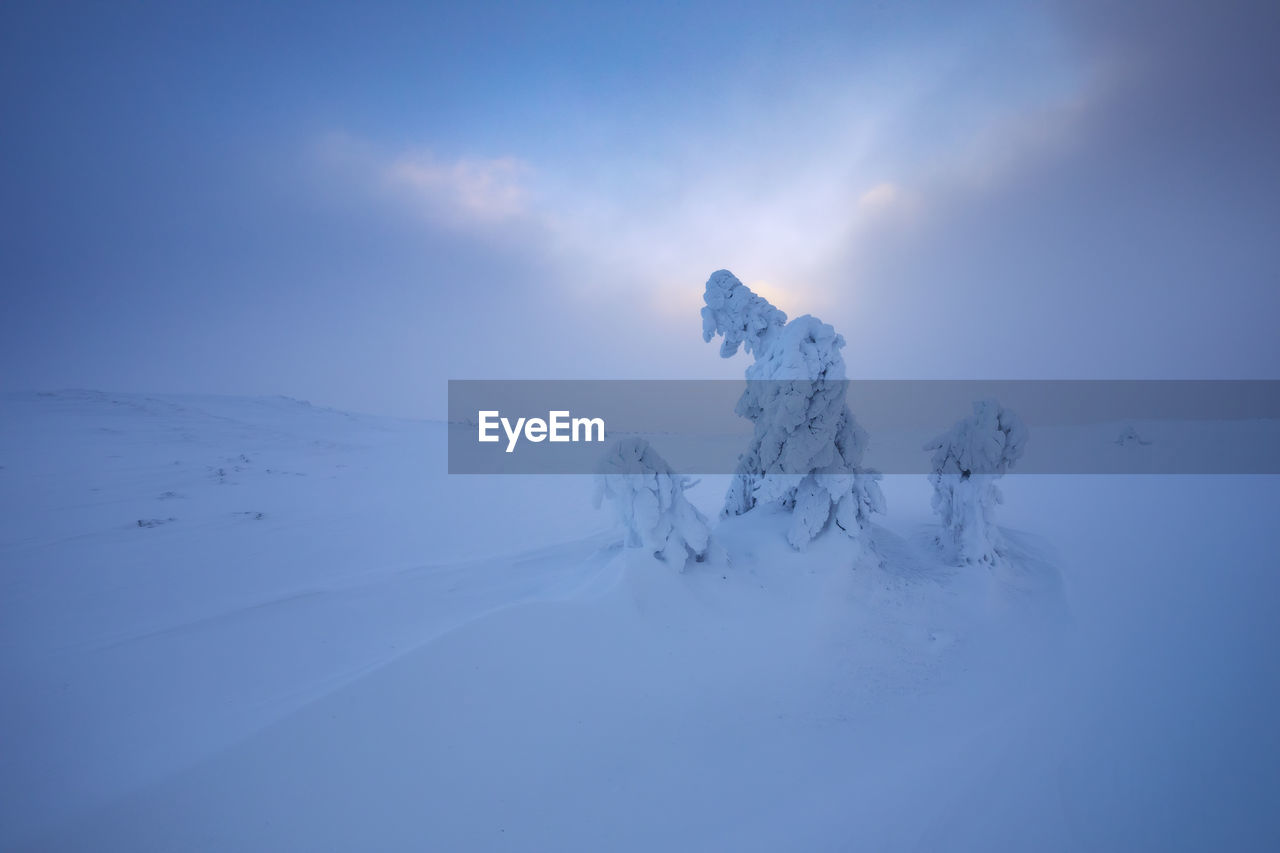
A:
[806,449]
[649,500]
[967,460]
[1129,435]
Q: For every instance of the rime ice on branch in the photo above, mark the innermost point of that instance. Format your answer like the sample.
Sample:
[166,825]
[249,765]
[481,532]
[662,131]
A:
[967,460]
[806,450]
[649,500]
[742,317]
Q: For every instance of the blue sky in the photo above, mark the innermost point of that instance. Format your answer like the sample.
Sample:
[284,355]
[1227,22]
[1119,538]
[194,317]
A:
[352,203]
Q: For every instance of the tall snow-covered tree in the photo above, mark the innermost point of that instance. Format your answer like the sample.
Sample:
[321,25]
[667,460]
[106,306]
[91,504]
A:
[806,449]
[967,460]
[648,498]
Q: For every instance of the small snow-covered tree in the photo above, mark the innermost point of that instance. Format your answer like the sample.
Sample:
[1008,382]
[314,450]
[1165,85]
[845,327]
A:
[967,460]
[806,449]
[648,497]
[1129,435]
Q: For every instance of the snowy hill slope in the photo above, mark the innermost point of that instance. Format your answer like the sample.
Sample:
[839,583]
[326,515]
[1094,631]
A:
[318,640]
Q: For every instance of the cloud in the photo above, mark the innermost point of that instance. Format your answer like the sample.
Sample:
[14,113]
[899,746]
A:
[468,192]
[783,192]
[879,197]
[469,189]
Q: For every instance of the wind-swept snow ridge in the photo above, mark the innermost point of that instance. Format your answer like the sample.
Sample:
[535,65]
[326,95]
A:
[967,460]
[648,497]
[806,451]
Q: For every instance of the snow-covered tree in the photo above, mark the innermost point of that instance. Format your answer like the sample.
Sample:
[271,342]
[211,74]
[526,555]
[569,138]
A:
[967,460]
[806,450]
[648,497]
